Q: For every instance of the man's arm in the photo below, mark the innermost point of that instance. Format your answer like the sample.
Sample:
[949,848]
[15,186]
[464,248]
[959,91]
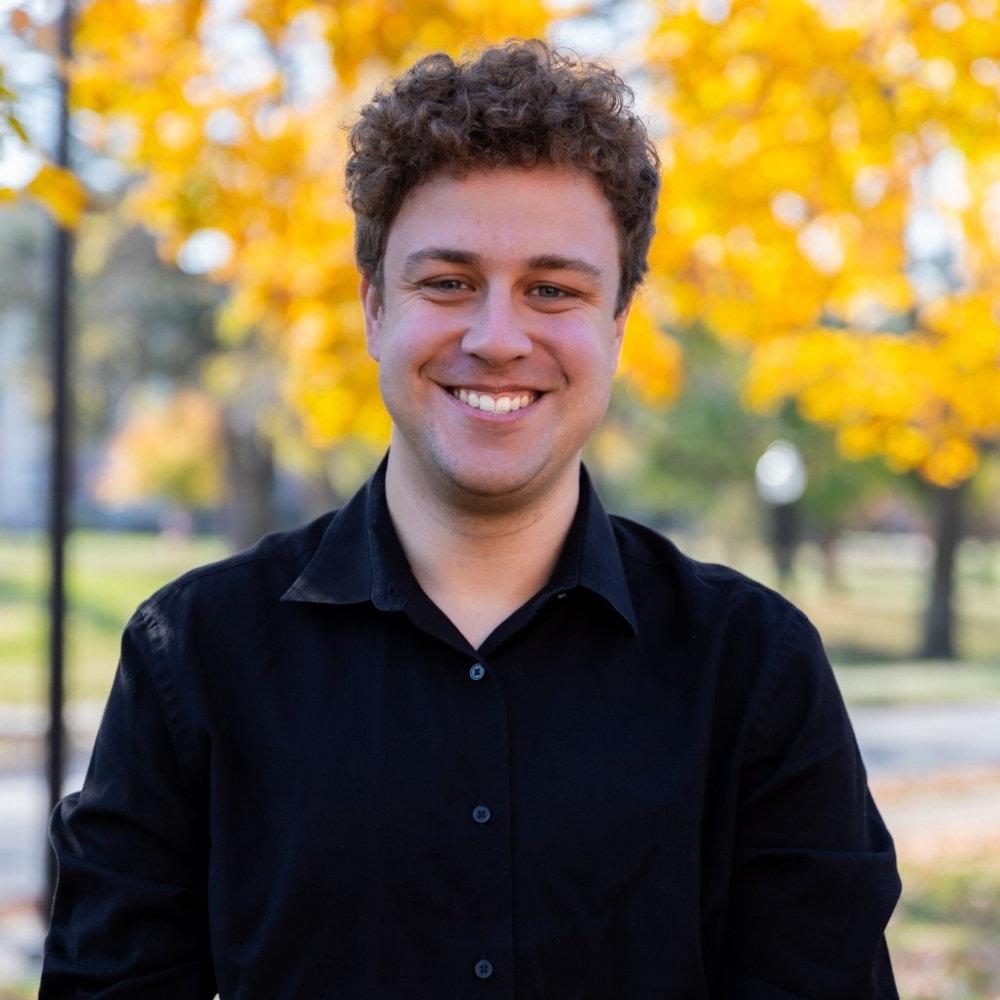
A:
[814,875]
[130,917]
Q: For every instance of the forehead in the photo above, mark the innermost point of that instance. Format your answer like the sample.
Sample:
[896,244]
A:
[508,215]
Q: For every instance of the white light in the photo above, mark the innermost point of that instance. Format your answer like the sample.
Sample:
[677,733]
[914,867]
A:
[948,16]
[985,71]
[928,282]
[224,126]
[939,73]
[713,11]
[926,234]
[820,243]
[948,182]
[30,69]
[43,11]
[242,57]
[789,208]
[780,474]
[18,165]
[870,186]
[205,250]
[103,175]
[311,68]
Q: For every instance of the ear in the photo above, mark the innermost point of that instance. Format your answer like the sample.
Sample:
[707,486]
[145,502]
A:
[373,317]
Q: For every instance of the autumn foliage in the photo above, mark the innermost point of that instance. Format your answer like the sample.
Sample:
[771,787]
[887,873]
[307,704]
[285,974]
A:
[831,201]
[832,205]
[235,123]
[169,449]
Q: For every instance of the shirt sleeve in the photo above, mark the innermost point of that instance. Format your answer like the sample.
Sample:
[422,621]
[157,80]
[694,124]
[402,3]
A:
[129,917]
[814,874]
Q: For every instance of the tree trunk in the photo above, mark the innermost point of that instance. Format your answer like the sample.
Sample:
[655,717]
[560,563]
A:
[833,582]
[939,615]
[250,479]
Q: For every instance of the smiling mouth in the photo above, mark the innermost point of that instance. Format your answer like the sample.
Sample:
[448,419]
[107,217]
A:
[503,402]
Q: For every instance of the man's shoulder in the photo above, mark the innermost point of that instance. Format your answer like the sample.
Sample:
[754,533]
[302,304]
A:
[261,572]
[705,591]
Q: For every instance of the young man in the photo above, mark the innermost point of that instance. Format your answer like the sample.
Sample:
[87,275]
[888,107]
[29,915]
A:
[470,736]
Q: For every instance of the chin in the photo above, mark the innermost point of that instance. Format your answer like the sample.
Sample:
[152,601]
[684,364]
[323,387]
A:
[485,483]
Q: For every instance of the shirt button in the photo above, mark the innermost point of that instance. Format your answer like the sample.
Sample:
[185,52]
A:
[481,814]
[484,968]
[477,671]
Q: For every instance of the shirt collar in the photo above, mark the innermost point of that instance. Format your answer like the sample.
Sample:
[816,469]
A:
[360,558]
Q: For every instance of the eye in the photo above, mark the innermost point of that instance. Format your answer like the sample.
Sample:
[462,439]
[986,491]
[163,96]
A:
[446,284]
[551,292]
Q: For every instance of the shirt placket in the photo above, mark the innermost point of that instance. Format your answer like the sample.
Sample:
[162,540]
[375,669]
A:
[488,818]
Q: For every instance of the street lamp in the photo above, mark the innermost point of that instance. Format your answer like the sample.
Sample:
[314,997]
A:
[781,480]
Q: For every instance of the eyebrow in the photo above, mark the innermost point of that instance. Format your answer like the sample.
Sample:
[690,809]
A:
[540,262]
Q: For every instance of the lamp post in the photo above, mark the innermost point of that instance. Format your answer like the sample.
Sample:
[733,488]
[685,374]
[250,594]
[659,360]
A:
[781,479]
[61,484]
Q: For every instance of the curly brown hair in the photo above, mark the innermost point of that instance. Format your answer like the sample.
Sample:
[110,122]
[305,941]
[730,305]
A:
[519,104]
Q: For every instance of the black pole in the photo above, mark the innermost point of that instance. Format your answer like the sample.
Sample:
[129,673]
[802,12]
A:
[61,485]
[783,535]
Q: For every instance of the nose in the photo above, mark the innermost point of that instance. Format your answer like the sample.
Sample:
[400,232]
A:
[497,334]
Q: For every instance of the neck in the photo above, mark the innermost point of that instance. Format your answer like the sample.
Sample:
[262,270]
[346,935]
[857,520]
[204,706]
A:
[479,560]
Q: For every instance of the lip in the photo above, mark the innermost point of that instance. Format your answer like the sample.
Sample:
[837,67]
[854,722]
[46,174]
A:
[509,389]
[494,417]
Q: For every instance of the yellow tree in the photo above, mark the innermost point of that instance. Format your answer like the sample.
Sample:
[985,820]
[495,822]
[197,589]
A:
[170,450]
[831,205]
[54,188]
[231,118]
[235,123]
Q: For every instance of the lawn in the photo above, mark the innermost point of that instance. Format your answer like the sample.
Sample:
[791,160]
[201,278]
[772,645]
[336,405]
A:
[870,622]
[107,576]
[944,935]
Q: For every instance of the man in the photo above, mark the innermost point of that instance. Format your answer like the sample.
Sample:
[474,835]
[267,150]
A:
[469,736]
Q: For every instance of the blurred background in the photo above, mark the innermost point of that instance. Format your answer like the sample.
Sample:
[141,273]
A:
[809,391]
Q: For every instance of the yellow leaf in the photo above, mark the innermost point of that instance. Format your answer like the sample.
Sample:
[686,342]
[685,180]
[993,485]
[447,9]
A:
[61,194]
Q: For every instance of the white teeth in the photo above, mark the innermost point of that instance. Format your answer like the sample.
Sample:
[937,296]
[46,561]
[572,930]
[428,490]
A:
[494,404]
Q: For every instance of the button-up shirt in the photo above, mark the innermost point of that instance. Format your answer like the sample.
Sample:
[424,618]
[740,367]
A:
[307,783]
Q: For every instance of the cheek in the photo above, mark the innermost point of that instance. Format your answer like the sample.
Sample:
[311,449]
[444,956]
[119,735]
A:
[422,337]
[587,355]
[403,352]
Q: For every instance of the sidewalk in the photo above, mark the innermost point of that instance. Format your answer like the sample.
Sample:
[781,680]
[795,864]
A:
[922,739]
[951,813]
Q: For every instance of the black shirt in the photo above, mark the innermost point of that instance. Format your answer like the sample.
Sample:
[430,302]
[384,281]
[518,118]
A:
[308,784]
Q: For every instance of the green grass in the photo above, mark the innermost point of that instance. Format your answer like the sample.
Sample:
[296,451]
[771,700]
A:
[107,576]
[945,935]
[918,683]
[18,991]
[870,623]
[872,618]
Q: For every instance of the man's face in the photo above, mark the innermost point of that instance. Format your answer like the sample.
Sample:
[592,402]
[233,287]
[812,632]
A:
[496,337]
